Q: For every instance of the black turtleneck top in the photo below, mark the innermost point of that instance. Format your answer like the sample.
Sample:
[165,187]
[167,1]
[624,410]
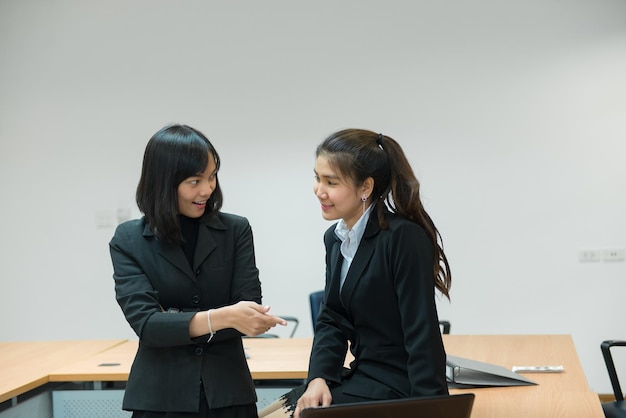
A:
[189,231]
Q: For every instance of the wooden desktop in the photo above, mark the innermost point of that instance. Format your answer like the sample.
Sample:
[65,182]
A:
[27,365]
[564,394]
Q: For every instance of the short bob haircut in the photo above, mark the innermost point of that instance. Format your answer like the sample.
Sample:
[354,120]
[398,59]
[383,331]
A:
[173,154]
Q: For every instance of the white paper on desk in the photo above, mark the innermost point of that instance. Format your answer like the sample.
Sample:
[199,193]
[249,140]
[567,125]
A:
[464,372]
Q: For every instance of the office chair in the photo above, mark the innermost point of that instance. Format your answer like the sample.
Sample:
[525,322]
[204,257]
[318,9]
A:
[616,409]
[315,300]
[445,327]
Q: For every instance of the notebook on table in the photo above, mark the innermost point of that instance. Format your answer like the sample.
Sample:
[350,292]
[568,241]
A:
[445,406]
[466,373]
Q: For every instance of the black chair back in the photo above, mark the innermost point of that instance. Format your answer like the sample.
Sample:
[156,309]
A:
[315,300]
[615,409]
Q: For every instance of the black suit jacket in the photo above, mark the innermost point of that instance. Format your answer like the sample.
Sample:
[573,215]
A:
[152,277]
[386,311]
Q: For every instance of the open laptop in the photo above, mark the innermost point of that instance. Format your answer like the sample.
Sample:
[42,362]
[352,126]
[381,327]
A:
[445,406]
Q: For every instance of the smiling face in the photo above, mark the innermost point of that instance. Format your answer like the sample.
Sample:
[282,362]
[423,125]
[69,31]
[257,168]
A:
[195,191]
[339,197]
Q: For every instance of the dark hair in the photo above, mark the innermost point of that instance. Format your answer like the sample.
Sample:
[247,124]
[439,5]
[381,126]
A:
[358,154]
[173,154]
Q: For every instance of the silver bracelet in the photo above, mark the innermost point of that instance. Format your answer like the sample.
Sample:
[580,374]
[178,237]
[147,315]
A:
[208,317]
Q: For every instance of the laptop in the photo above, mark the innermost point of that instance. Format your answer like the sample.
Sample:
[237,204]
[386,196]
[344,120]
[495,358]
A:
[445,406]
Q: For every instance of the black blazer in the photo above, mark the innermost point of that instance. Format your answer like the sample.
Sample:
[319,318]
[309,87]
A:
[386,310]
[152,277]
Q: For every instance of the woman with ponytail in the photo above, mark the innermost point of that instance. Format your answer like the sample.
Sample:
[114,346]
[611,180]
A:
[384,264]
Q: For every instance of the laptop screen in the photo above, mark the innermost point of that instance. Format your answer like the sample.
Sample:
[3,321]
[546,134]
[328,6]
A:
[446,406]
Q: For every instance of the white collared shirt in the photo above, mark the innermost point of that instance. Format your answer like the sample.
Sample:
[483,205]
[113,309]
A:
[350,240]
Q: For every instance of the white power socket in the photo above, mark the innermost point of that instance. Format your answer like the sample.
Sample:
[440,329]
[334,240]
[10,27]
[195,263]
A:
[589,255]
[613,255]
[105,218]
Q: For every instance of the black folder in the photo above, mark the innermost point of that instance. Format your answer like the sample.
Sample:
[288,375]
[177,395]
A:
[466,373]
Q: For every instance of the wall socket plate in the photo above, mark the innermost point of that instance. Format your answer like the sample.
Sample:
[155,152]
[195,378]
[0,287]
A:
[105,218]
[587,256]
[613,255]
[610,255]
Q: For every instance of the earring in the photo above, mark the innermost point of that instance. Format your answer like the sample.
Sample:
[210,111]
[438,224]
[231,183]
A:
[363,198]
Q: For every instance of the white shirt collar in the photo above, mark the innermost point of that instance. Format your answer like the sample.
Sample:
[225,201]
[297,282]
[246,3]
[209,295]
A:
[350,238]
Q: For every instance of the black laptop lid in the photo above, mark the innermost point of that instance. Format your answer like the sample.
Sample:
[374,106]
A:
[447,406]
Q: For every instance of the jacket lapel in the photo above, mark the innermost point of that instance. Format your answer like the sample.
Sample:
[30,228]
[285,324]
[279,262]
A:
[206,242]
[335,259]
[205,245]
[173,254]
[361,260]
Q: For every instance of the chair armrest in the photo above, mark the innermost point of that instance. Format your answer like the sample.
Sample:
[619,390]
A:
[293,320]
[610,365]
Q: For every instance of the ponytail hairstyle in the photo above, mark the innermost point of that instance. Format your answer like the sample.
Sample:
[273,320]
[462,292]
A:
[173,154]
[358,154]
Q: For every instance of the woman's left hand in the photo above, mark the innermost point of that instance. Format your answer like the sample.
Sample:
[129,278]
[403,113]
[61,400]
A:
[316,394]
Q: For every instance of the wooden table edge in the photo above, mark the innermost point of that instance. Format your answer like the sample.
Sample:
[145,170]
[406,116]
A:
[33,384]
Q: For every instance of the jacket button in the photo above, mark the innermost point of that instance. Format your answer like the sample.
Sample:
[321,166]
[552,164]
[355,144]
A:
[198,272]
[195,299]
[198,351]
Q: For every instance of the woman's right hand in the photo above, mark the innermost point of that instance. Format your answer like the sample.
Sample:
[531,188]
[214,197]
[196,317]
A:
[249,318]
[316,394]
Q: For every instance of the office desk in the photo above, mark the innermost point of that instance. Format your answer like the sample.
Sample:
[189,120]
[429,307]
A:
[290,360]
[564,394]
[558,395]
[269,359]
[112,365]
[26,365]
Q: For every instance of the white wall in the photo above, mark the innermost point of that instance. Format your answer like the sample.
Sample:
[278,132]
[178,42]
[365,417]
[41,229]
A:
[512,112]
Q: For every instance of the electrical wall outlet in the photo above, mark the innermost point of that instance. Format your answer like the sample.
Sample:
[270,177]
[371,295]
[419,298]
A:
[105,218]
[613,255]
[589,255]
